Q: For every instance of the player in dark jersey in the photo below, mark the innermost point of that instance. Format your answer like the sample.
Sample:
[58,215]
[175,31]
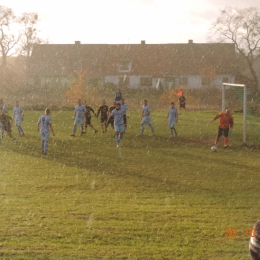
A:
[110,120]
[182,101]
[6,124]
[87,115]
[103,110]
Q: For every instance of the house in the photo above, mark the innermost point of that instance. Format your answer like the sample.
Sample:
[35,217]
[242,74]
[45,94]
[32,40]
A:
[135,65]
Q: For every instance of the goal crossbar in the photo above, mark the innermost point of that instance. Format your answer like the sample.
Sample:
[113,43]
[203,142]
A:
[244,104]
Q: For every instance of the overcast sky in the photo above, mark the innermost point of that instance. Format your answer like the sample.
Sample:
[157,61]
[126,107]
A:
[125,21]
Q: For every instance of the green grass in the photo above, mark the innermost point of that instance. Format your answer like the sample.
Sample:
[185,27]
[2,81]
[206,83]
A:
[160,198]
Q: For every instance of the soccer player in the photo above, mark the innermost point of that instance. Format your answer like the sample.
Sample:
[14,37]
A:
[124,108]
[88,117]
[44,126]
[18,118]
[118,96]
[146,118]
[78,117]
[3,106]
[118,123]
[6,124]
[103,110]
[182,102]
[225,126]
[110,120]
[172,117]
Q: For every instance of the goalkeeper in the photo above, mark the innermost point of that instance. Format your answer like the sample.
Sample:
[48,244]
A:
[225,126]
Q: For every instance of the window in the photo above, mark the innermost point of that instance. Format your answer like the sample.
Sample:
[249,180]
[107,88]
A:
[170,82]
[146,81]
[124,66]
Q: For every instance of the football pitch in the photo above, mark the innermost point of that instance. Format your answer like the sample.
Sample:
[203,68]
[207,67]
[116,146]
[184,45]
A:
[153,198]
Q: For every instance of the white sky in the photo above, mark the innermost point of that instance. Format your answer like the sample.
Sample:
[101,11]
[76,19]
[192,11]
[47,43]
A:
[125,21]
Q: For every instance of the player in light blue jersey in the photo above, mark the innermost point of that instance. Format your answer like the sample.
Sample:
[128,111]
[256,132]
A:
[18,118]
[119,126]
[146,118]
[44,126]
[78,117]
[172,117]
[124,107]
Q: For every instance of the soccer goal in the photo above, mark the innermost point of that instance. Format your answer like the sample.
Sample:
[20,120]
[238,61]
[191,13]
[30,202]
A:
[243,96]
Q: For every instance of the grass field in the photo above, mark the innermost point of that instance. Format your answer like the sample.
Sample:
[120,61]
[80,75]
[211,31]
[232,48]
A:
[153,198]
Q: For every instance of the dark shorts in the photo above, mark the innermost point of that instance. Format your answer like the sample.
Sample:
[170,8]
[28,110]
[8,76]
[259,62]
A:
[7,127]
[88,121]
[223,131]
[182,105]
[103,120]
[110,121]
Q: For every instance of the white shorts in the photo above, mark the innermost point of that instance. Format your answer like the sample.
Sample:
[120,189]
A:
[171,124]
[18,122]
[45,136]
[146,120]
[119,128]
[79,121]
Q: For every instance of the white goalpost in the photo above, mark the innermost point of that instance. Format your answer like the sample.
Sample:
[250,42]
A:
[224,85]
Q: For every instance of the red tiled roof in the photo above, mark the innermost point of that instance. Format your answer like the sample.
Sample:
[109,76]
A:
[156,60]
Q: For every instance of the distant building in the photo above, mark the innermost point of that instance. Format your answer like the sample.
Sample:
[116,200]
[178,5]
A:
[135,65]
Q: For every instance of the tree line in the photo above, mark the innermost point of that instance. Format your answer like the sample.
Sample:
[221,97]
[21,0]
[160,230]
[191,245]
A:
[18,34]
[241,27]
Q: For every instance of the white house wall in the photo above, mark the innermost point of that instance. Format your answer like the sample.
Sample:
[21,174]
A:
[194,81]
[219,79]
[112,79]
[134,81]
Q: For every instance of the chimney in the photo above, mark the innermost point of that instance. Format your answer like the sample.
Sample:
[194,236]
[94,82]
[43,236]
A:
[77,42]
[143,42]
[190,41]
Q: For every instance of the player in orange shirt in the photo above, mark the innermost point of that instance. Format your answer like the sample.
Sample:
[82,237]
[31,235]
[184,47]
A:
[225,125]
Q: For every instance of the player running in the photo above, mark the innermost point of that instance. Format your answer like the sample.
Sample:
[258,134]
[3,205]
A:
[88,117]
[6,125]
[146,118]
[118,123]
[3,106]
[18,115]
[44,126]
[103,110]
[110,120]
[78,117]
[124,107]
[172,117]
[225,126]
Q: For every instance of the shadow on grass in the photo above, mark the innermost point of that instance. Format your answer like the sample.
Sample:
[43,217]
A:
[92,154]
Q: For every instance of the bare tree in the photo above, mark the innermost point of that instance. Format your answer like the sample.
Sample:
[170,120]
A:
[28,34]
[241,27]
[8,40]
